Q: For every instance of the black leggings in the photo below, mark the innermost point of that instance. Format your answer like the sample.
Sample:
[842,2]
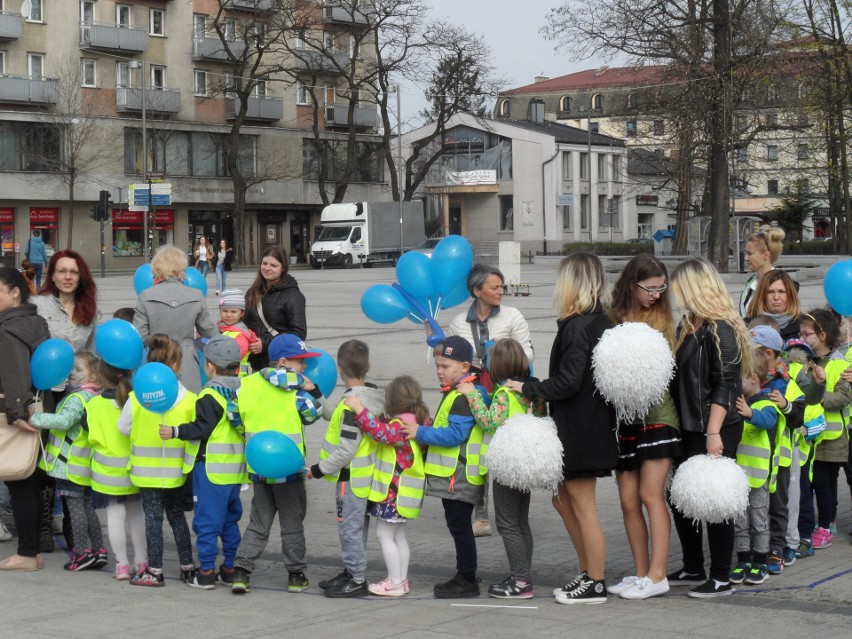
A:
[27,512]
[458,514]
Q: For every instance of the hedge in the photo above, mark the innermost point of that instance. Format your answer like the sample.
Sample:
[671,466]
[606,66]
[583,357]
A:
[609,248]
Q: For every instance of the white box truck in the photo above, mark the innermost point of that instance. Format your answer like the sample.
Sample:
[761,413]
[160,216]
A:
[367,232]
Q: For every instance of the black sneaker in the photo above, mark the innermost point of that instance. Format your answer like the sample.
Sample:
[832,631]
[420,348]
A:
[225,576]
[711,588]
[204,579]
[102,559]
[571,584]
[297,582]
[683,578]
[511,588]
[349,588]
[457,588]
[240,581]
[342,578]
[588,592]
[47,543]
[187,574]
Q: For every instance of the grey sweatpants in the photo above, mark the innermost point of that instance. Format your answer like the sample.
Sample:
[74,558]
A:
[751,529]
[353,525]
[778,513]
[793,500]
[289,501]
[511,513]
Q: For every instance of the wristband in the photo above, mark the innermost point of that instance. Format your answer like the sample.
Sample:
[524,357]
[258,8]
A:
[712,434]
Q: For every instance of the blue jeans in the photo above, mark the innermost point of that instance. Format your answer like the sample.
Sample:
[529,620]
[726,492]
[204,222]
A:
[220,277]
[38,267]
[353,524]
[204,267]
[217,515]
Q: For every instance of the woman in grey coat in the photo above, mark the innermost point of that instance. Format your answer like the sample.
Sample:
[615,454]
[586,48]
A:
[173,308]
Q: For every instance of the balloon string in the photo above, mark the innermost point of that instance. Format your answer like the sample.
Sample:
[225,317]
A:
[419,319]
[438,307]
[431,312]
[163,463]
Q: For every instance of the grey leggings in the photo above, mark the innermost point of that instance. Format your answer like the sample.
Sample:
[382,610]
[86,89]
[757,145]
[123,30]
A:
[511,512]
[85,524]
[156,501]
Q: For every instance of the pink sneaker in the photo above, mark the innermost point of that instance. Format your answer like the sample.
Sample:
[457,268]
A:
[821,538]
[387,588]
[122,572]
[406,586]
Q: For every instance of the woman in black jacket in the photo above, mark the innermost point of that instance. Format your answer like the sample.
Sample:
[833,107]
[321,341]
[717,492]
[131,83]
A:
[274,304]
[712,347]
[585,423]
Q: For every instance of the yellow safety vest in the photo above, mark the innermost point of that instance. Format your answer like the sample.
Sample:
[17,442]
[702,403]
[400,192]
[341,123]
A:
[835,421]
[225,458]
[361,466]
[753,452]
[110,449]
[812,411]
[78,443]
[264,406]
[441,461]
[412,480]
[155,463]
[245,367]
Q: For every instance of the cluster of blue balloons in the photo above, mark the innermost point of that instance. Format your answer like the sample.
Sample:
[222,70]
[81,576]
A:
[837,286]
[425,286]
[273,455]
[144,278]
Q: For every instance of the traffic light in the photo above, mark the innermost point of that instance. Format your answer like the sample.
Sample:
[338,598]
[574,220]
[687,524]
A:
[94,213]
[103,206]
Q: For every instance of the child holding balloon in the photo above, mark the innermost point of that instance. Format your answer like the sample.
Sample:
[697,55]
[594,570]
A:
[159,468]
[66,458]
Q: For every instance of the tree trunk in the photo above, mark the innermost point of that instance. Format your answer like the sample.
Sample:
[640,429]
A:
[70,242]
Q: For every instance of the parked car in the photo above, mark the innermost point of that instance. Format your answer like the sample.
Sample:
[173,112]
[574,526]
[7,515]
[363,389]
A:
[428,246]
[640,240]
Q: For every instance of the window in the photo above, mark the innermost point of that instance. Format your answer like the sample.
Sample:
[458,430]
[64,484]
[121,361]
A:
[601,167]
[742,154]
[631,128]
[353,46]
[802,120]
[35,66]
[659,127]
[328,42]
[36,11]
[772,119]
[30,146]
[565,103]
[158,77]
[230,85]
[506,108]
[741,123]
[507,213]
[369,160]
[155,23]
[773,95]
[616,168]
[200,82]
[567,214]
[597,102]
[199,26]
[594,127]
[584,212]
[259,32]
[87,72]
[771,151]
[260,90]
[122,15]
[584,166]
[122,74]
[229,29]
[603,212]
[566,165]
[631,100]
[87,12]
[772,187]
[2,62]
[301,92]
[299,41]
[802,152]
[615,209]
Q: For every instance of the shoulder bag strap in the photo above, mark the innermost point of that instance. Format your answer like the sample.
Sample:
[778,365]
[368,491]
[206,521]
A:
[260,314]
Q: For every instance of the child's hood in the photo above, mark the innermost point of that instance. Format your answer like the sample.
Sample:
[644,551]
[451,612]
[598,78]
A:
[372,398]
[224,381]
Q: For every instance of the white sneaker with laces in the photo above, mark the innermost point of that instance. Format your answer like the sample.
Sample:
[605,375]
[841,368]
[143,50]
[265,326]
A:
[624,584]
[644,588]
[5,535]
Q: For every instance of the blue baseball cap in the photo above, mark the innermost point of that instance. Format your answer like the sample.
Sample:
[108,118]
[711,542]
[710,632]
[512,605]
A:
[767,337]
[289,346]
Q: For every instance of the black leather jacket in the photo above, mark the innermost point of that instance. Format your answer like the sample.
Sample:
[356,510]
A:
[284,310]
[707,374]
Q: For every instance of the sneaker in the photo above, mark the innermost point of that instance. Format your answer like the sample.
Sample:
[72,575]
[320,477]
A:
[711,588]
[349,588]
[203,579]
[624,584]
[588,592]
[775,563]
[240,581]
[481,528]
[683,578]
[511,588]
[386,588]
[148,578]
[56,523]
[341,578]
[297,582]
[225,576]
[644,588]
[47,544]
[456,588]
[122,572]
[571,584]
[821,538]
[832,528]
[757,575]
[788,556]
[80,560]
[805,549]
[739,573]
[142,566]
[187,573]
[406,586]
[5,535]
[101,559]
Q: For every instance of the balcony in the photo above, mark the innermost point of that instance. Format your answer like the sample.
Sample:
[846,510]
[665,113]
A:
[321,61]
[212,49]
[248,5]
[337,115]
[264,109]
[111,37]
[11,25]
[40,91]
[345,13]
[129,99]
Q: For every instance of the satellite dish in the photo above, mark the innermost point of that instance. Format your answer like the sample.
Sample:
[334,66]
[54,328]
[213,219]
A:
[27,9]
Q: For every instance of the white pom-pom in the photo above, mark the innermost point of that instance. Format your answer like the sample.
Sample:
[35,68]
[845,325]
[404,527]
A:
[525,453]
[633,365]
[710,489]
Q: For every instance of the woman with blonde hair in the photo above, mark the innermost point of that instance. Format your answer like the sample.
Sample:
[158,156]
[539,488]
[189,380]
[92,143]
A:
[761,252]
[173,308]
[776,297]
[711,349]
[585,423]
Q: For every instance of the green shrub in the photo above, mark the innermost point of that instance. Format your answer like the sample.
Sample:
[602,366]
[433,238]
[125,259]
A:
[609,248]
[811,247]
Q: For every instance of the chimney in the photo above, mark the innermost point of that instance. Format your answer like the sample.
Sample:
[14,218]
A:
[540,78]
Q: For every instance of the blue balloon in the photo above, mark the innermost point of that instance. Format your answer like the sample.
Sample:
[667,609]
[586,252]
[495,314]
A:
[413,270]
[52,362]
[837,286]
[119,344]
[272,454]
[457,295]
[383,304]
[143,278]
[156,387]
[322,371]
[193,278]
[451,262]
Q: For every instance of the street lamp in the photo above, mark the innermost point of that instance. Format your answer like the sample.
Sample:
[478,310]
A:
[146,246]
[399,168]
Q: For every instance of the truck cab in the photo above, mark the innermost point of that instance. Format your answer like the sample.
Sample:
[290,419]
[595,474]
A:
[337,246]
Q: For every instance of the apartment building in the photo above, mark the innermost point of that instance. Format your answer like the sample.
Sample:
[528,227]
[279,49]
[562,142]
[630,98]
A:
[76,77]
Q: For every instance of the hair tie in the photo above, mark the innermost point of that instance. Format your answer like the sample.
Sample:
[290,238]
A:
[120,376]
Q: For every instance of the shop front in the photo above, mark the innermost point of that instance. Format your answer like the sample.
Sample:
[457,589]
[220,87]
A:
[46,220]
[7,237]
[128,231]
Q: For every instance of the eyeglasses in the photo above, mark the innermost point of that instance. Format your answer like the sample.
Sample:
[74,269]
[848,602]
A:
[653,291]
[806,334]
[67,271]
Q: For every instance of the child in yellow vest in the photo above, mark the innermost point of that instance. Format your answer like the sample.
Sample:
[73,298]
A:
[110,469]
[159,468]
[347,459]
[398,477]
[232,308]
[67,458]
[220,465]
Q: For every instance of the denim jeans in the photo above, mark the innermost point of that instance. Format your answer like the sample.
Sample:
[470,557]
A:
[221,277]
[353,524]
[204,267]
[38,267]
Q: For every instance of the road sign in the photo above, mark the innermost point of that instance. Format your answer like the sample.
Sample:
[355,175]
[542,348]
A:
[151,176]
[161,195]
[564,199]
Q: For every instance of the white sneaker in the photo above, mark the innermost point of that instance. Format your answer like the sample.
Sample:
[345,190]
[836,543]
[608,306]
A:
[624,584]
[644,588]
[5,535]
